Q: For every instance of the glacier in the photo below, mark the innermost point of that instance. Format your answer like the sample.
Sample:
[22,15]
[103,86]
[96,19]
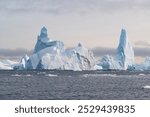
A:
[124,58]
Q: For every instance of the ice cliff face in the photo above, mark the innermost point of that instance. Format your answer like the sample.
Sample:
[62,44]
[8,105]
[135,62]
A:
[37,61]
[109,63]
[23,63]
[51,54]
[124,57]
[83,57]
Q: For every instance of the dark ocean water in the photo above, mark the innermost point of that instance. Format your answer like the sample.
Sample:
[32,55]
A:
[91,85]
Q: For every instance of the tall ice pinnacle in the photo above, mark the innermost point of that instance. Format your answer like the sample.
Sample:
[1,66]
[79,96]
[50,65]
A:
[125,53]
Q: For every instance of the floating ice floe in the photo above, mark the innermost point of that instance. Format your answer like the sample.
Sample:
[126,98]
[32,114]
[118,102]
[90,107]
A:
[141,74]
[17,75]
[28,75]
[53,75]
[146,87]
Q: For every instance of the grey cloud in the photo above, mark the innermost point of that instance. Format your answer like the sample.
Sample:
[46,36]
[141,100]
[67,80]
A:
[142,43]
[141,52]
[98,52]
[69,6]
[14,53]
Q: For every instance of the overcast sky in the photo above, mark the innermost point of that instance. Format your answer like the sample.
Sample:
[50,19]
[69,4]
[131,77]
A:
[94,23]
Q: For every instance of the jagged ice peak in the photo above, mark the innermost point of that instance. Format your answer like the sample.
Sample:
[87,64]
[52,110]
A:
[79,45]
[43,32]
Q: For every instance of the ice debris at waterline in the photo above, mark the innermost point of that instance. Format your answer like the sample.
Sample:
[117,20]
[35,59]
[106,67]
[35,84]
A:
[51,54]
[124,58]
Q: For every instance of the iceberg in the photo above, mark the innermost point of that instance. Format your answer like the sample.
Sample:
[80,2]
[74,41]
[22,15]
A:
[3,66]
[7,64]
[51,54]
[78,58]
[124,58]
[125,52]
[143,66]
[83,57]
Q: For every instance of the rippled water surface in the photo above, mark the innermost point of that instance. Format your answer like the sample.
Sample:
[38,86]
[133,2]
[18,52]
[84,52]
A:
[91,85]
